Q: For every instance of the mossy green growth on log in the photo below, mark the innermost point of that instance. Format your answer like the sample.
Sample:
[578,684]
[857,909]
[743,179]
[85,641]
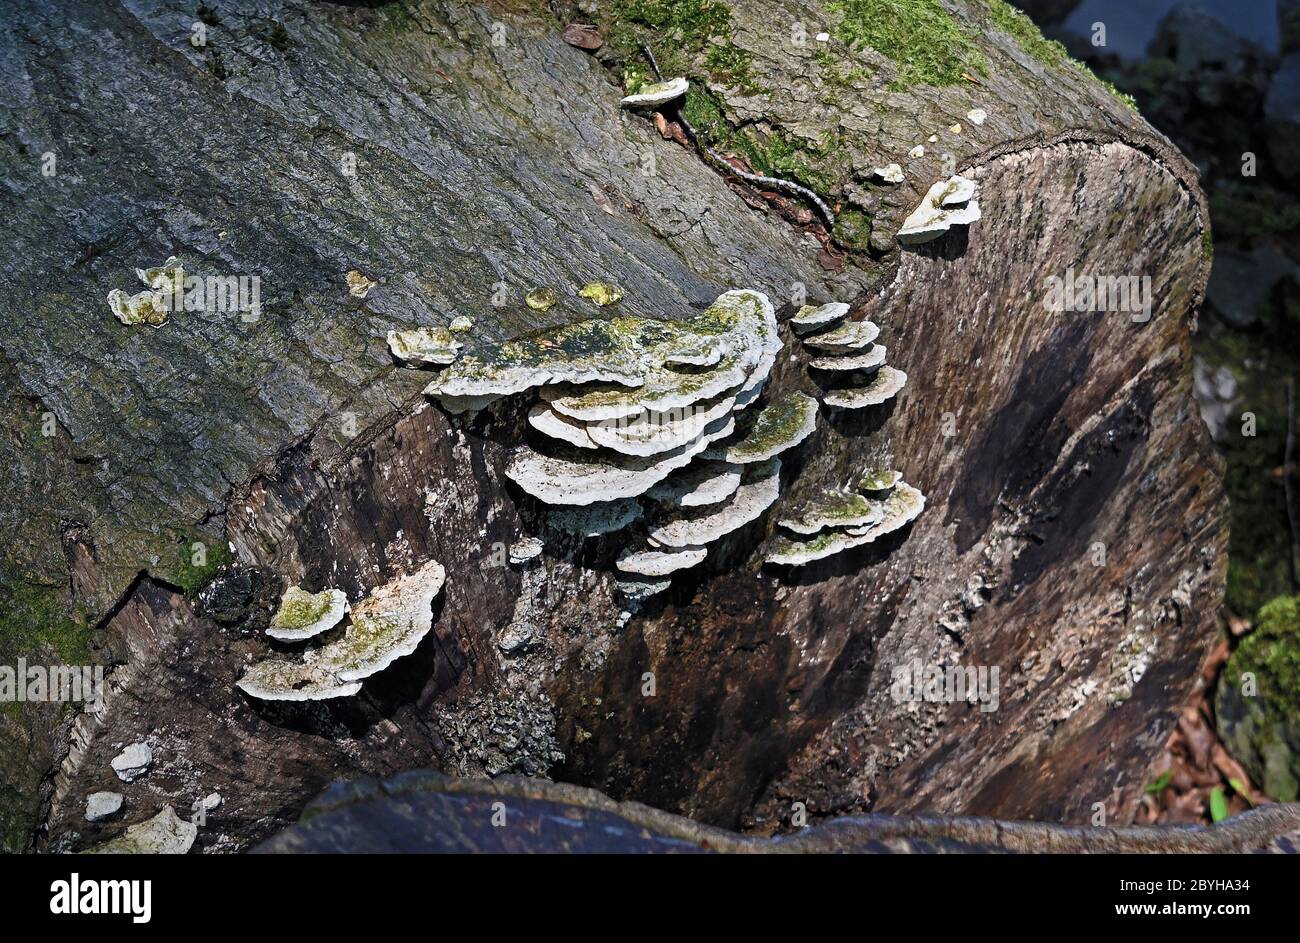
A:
[820,166]
[920,36]
[1051,53]
[198,562]
[689,37]
[37,618]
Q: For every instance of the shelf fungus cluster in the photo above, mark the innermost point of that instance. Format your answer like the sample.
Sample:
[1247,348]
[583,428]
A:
[846,357]
[948,203]
[657,94]
[833,521]
[387,624]
[150,306]
[646,420]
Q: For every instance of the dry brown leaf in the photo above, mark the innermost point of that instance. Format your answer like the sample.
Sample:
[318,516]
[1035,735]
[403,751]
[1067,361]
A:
[583,35]
[602,199]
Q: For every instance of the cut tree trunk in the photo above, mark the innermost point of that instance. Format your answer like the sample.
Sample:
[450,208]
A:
[459,155]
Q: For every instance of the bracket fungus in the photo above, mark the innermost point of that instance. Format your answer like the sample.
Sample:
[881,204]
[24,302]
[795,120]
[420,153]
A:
[758,491]
[870,359]
[388,624]
[883,386]
[890,173]
[782,425]
[698,486]
[525,549]
[850,353]
[542,299]
[849,336]
[812,317]
[303,615]
[879,481]
[948,203]
[630,408]
[654,562]
[832,508]
[149,306]
[657,94]
[601,293]
[902,507]
[146,307]
[424,345]
[580,479]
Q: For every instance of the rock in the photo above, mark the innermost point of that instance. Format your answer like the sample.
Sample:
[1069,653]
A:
[1282,118]
[164,834]
[1197,40]
[1216,390]
[1257,704]
[132,762]
[1242,281]
[100,805]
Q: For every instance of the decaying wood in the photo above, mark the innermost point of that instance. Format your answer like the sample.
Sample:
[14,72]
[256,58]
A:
[1037,436]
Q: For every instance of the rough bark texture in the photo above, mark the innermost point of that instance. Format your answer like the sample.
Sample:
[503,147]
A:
[1035,435]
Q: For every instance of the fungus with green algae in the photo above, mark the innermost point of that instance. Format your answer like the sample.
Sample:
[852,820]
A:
[425,345]
[782,424]
[303,615]
[601,293]
[849,336]
[388,624]
[868,360]
[814,317]
[832,508]
[542,299]
[902,507]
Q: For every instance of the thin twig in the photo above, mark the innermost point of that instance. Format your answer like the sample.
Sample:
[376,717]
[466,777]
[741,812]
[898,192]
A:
[725,165]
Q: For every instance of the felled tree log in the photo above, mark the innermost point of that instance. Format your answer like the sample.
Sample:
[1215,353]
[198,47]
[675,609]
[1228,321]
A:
[459,155]
[422,812]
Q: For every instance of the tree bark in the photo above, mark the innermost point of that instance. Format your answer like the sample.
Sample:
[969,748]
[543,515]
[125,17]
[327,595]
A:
[1075,532]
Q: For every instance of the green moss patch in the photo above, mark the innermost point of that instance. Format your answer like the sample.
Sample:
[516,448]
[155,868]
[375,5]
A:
[689,37]
[192,576]
[919,36]
[36,618]
[819,165]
